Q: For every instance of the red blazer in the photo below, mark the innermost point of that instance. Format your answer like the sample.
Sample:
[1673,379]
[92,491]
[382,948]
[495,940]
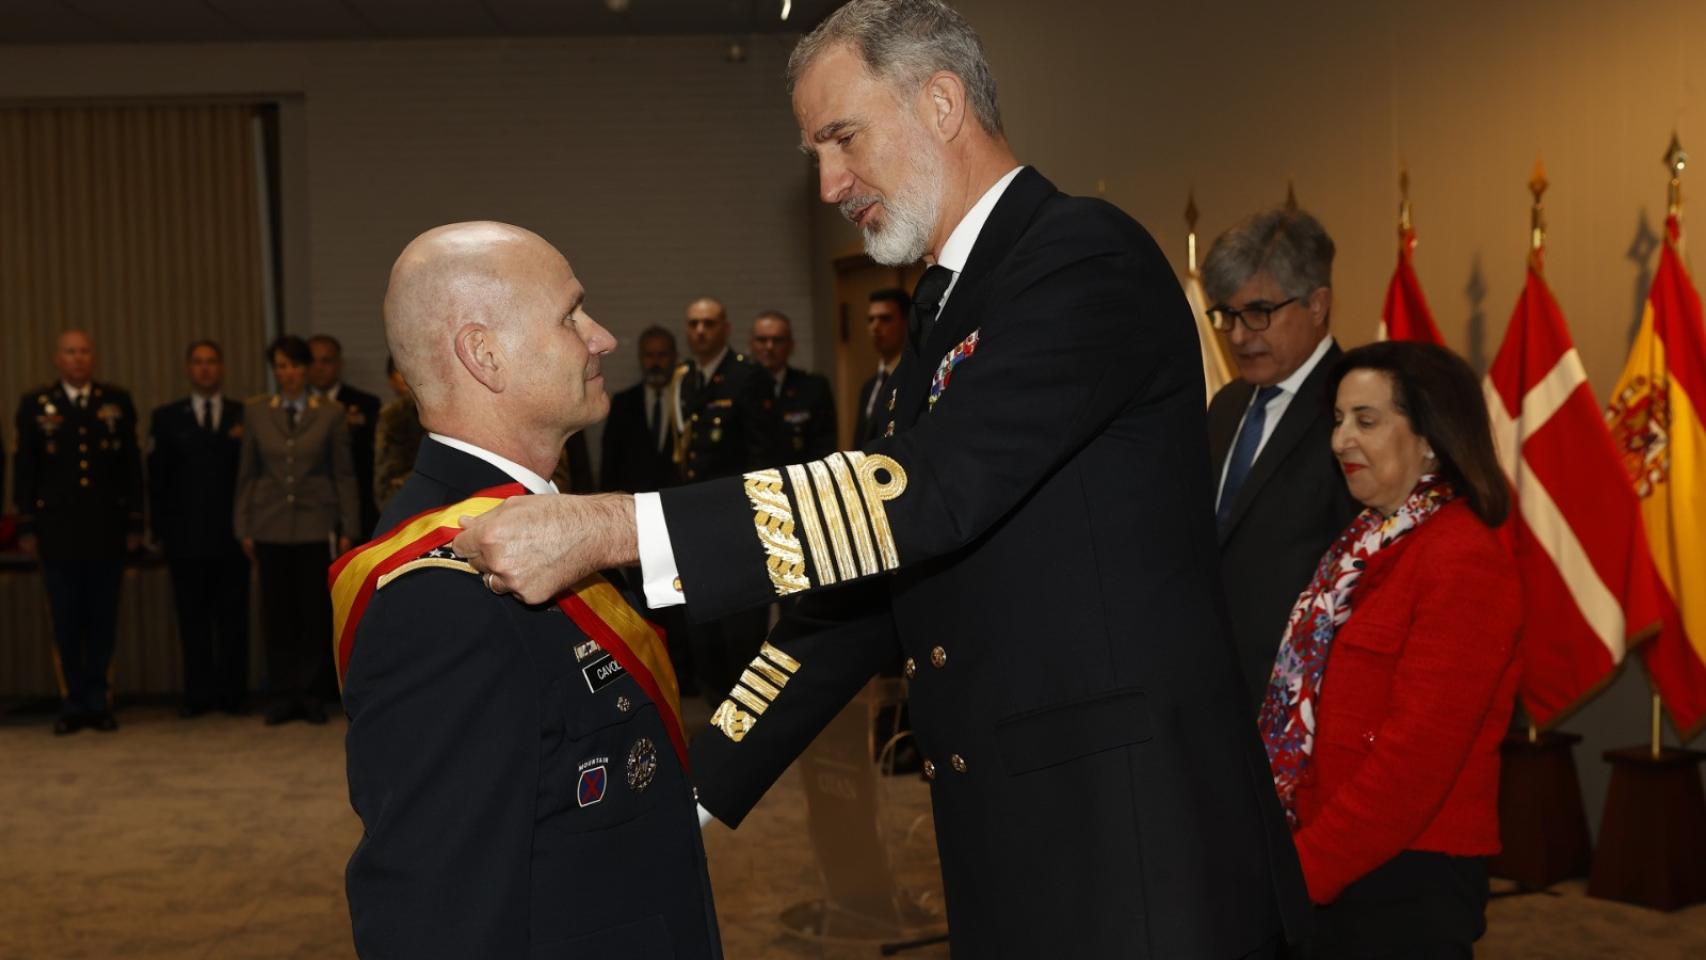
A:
[1416,696]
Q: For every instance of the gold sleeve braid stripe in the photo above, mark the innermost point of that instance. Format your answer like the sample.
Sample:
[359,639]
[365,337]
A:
[842,508]
[832,519]
[754,693]
[802,488]
[774,521]
[855,513]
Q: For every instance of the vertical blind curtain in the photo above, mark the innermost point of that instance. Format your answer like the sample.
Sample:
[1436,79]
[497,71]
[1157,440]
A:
[141,225]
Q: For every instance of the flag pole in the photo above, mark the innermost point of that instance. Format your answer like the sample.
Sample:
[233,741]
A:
[1191,232]
[1537,185]
[1406,228]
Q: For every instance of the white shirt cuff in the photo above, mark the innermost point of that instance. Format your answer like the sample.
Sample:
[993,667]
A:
[657,557]
[705,817]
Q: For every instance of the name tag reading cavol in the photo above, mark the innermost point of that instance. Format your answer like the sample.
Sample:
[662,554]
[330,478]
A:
[602,673]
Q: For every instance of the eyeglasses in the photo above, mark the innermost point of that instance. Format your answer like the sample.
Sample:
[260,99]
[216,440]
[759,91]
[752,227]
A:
[1256,316]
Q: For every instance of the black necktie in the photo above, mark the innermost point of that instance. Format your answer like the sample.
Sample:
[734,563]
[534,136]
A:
[290,415]
[83,400]
[657,420]
[927,302]
[876,391]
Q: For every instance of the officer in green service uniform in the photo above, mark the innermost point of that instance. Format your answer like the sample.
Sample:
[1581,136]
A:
[78,487]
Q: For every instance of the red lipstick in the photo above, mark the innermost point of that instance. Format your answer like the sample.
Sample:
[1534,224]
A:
[1351,468]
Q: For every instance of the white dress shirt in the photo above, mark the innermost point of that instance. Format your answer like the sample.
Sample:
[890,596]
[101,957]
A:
[206,410]
[515,471]
[658,570]
[1276,409]
[78,397]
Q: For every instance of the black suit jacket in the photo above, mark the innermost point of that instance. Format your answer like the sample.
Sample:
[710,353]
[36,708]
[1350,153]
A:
[192,478]
[489,756]
[361,414]
[868,428]
[630,458]
[1293,503]
[77,478]
[805,415]
[1037,548]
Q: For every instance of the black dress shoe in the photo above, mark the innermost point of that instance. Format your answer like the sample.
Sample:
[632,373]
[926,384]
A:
[105,722]
[67,724]
[314,712]
[282,713]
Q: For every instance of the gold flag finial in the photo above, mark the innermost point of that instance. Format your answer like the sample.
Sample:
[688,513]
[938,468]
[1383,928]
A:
[1406,230]
[1290,195]
[1191,231]
[1676,160]
[1537,184]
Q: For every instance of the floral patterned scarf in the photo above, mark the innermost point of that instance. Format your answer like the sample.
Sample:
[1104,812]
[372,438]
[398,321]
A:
[1287,719]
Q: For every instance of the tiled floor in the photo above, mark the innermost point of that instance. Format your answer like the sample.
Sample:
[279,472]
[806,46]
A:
[219,838]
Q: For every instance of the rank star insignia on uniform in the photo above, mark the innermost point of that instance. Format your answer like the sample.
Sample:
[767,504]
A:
[642,764]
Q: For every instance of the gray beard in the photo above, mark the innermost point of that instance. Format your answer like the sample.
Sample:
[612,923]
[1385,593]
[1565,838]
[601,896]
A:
[909,217]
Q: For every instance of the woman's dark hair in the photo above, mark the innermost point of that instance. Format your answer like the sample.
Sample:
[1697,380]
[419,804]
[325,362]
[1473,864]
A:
[1442,398]
[294,348]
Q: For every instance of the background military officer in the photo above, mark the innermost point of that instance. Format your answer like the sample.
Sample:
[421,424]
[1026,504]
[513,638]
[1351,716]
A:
[78,486]
[885,320]
[726,424]
[397,438]
[805,407]
[192,476]
[361,416]
[295,510]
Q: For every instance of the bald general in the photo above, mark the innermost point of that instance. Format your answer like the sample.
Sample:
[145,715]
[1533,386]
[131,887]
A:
[487,323]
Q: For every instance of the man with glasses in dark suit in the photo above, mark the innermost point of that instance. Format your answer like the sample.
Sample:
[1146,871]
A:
[1279,496]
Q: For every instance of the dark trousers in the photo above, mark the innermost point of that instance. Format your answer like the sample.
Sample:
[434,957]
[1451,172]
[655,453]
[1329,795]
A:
[212,596]
[723,648]
[83,595]
[296,619]
[1416,906]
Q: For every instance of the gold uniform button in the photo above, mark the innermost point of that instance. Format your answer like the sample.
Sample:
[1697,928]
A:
[82,448]
[623,704]
[938,657]
[929,770]
[82,431]
[958,763]
[83,463]
[82,481]
[911,669]
[290,498]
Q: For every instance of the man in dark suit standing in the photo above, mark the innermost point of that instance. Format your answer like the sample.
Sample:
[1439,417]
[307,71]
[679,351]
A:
[885,320]
[361,415]
[805,407]
[637,452]
[78,487]
[1280,497]
[192,471]
[1035,543]
[726,425]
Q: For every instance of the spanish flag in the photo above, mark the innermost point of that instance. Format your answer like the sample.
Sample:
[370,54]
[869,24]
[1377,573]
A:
[1655,418]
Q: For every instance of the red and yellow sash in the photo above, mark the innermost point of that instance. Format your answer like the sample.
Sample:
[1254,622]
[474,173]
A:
[593,605]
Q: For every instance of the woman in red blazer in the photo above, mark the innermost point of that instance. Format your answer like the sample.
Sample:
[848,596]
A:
[1394,683]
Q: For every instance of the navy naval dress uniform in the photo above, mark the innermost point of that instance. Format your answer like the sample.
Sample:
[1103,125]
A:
[77,482]
[728,426]
[805,411]
[519,797]
[1034,543]
[192,473]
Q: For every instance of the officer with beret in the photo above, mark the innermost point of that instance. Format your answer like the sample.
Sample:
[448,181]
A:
[805,407]
[78,487]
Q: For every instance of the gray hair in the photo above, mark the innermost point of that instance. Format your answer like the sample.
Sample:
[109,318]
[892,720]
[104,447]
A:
[1290,245]
[903,42]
